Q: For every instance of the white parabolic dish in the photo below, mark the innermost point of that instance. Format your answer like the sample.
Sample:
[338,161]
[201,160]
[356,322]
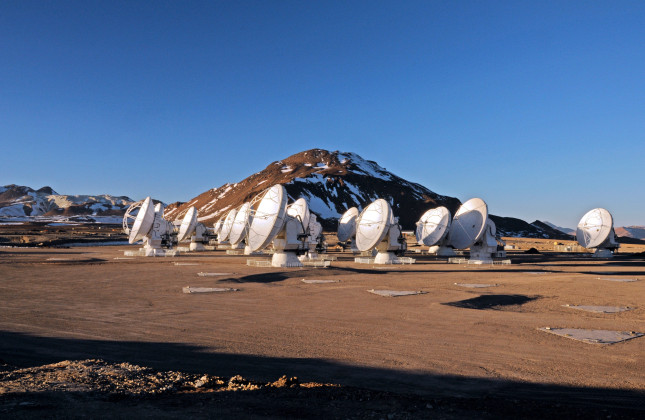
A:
[187,224]
[228,224]
[594,228]
[300,210]
[347,224]
[269,218]
[143,223]
[372,224]
[240,224]
[469,224]
[218,226]
[433,226]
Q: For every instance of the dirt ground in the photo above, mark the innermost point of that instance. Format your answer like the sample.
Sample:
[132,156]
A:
[86,332]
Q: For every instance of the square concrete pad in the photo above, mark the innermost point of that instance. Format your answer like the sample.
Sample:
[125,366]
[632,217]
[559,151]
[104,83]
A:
[600,309]
[189,289]
[475,285]
[312,281]
[624,280]
[213,274]
[593,336]
[395,293]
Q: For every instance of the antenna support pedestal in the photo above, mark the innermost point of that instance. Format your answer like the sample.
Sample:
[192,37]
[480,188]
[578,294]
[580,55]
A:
[196,246]
[385,258]
[603,253]
[442,251]
[285,259]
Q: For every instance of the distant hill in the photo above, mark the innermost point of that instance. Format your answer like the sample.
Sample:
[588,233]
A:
[21,201]
[636,232]
[561,229]
[332,182]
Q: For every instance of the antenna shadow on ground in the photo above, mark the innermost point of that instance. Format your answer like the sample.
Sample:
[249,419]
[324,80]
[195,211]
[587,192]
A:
[494,302]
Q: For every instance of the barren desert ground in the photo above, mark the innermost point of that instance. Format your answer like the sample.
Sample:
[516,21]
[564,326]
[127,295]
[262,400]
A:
[454,351]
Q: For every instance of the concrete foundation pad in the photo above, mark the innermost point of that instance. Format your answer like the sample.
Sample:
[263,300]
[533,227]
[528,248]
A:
[395,293]
[593,336]
[189,289]
[625,280]
[600,309]
[475,285]
[313,281]
[186,263]
[213,274]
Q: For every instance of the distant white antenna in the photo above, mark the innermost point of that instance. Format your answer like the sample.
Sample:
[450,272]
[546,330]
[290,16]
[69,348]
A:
[347,228]
[471,228]
[217,227]
[227,225]
[148,225]
[193,230]
[316,240]
[240,226]
[596,230]
[376,228]
[432,231]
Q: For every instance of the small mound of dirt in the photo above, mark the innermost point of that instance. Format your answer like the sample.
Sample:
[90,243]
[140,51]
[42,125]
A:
[532,251]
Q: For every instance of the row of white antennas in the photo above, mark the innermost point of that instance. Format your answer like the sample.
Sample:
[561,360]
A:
[377,228]
[293,229]
[267,219]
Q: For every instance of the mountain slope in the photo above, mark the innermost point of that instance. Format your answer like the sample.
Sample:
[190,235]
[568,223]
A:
[561,229]
[636,232]
[331,182]
[20,201]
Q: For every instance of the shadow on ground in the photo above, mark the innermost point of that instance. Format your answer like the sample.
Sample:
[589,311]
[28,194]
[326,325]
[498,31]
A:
[495,302]
[363,388]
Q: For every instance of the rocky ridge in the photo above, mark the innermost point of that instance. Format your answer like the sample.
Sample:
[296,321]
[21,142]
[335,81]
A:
[22,201]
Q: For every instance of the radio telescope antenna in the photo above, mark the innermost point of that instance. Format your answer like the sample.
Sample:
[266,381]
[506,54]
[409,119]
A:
[148,225]
[227,225]
[268,218]
[471,228]
[596,230]
[240,227]
[271,223]
[376,228]
[217,227]
[432,231]
[143,222]
[347,228]
[191,228]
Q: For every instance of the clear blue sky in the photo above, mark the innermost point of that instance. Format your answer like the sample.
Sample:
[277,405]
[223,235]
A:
[537,107]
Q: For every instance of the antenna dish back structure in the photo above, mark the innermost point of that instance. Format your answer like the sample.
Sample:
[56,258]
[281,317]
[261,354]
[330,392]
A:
[376,228]
[240,227]
[148,225]
[471,228]
[191,229]
[432,231]
[596,230]
[227,225]
[217,227]
[347,227]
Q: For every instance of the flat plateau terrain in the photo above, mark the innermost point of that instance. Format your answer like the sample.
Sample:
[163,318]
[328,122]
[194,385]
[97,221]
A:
[453,352]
